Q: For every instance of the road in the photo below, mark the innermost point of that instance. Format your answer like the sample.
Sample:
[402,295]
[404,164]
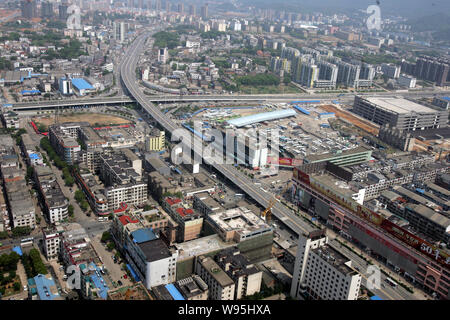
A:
[128,78]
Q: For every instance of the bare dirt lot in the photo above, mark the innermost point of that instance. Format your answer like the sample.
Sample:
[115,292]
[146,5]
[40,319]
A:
[92,118]
[364,125]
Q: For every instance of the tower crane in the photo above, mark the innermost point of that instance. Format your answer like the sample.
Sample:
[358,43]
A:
[267,213]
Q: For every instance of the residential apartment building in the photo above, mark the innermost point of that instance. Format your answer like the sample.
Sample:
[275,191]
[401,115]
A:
[323,273]
[220,285]
[190,222]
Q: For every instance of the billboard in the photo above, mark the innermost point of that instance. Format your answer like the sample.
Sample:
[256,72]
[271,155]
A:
[368,215]
[285,161]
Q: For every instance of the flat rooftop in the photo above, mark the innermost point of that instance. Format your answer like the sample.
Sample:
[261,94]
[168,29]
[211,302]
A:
[200,246]
[241,220]
[399,105]
[335,258]
[155,250]
[215,271]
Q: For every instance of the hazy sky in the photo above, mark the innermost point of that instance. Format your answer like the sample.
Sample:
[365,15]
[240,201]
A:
[402,7]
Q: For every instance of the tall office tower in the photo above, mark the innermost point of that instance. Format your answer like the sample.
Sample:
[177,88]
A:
[130,4]
[149,5]
[29,9]
[158,5]
[322,272]
[167,6]
[192,10]
[62,9]
[140,4]
[205,12]
[120,31]
[181,8]
[46,9]
[163,55]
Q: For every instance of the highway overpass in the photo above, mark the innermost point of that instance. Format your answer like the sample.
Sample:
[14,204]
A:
[287,216]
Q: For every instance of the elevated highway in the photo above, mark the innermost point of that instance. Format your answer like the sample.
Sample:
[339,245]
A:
[287,216]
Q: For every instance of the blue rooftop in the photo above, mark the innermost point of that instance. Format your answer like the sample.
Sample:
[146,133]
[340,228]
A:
[98,281]
[81,84]
[176,295]
[375,298]
[302,110]
[446,98]
[34,156]
[143,235]
[260,117]
[43,286]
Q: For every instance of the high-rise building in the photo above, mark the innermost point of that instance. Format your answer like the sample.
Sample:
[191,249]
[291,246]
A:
[29,9]
[433,69]
[168,6]
[46,9]
[163,55]
[62,9]
[322,272]
[327,75]
[120,30]
[366,75]
[205,12]
[309,74]
[192,10]
[181,8]
[391,70]
[158,5]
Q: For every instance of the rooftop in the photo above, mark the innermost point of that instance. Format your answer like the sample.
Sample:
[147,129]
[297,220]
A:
[260,117]
[215,271]
[155,250]
[81,84]
[335,258]
[399,105]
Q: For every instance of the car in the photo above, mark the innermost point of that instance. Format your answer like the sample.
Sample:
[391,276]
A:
[125,276]
[25,288]
[119,282]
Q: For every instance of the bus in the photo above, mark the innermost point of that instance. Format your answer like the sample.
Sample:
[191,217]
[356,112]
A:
[102,219]
[26,241]
[391,282]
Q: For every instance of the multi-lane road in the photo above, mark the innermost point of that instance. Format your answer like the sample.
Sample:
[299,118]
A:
[128,77]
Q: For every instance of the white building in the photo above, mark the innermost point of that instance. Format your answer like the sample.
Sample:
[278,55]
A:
[407,81]
[163,55]
[151,259]
[322,272]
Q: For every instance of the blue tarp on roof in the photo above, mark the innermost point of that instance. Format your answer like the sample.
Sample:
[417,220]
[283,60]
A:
[133,273]
[260,117]
[43,286]
[446,98]
[30,91]
[375,298]
[99,282]
[176,295]
[18,250]
[143,235]
[326,113]
[81,84]
[34,156]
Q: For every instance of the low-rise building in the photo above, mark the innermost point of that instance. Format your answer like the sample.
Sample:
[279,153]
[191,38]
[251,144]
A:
[220,285]
[190,222]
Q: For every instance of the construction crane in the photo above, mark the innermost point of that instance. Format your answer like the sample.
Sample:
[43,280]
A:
[267,213]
